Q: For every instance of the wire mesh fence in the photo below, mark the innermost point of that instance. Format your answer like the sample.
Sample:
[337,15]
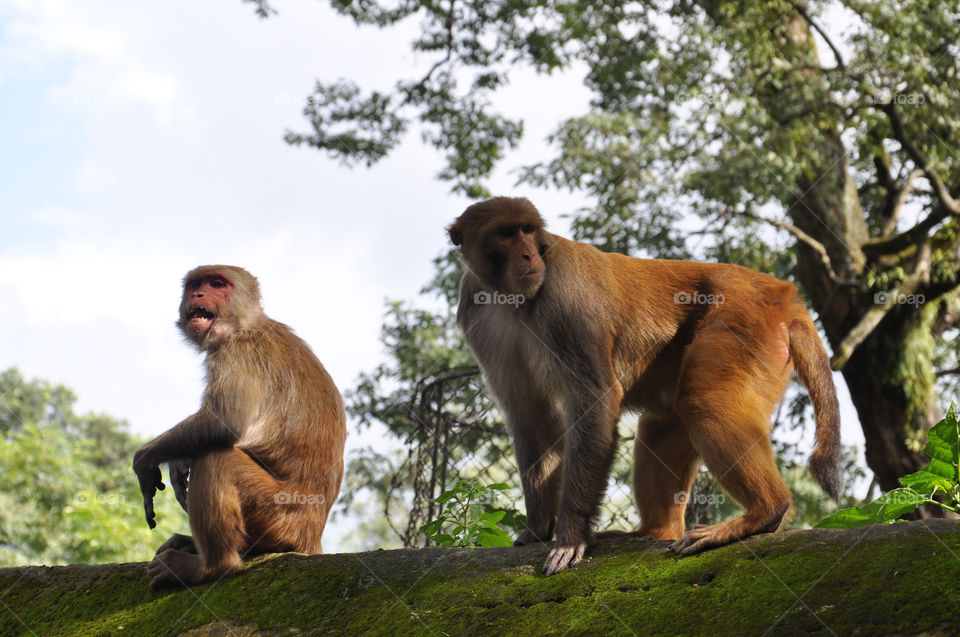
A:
[459,434]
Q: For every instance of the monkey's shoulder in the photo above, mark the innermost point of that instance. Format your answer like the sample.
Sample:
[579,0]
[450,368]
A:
[267,343]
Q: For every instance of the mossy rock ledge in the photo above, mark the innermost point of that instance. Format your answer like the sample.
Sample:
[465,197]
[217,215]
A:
[898,579]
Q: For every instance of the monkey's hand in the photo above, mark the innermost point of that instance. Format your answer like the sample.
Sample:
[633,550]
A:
[562,557]
[179,480]
[700,538]
[148,473]
[569,549]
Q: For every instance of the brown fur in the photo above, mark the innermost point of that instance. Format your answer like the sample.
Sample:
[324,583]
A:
[265,449]
[705,350]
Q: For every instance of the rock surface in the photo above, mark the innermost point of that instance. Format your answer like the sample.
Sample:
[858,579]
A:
[891,579]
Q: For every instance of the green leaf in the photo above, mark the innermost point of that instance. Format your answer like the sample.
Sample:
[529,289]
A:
[887,508]
[489,538]
[443,539]
[491,517]
[446,496]
[431,528]
[942,475]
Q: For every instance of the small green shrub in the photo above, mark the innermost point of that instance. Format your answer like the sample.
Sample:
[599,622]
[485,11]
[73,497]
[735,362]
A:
[940,478]
[467,517]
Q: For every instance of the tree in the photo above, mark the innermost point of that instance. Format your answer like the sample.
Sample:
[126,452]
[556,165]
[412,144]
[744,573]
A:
[67,493]
[752,121]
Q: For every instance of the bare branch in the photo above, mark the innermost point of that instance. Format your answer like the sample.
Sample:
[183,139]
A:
[810,241]
[875,248]
[943,194]
[836,52]
[902,193]
[448,23]
[875,314]
[948,372]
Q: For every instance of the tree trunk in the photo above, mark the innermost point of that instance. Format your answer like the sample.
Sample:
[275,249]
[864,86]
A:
[890,376]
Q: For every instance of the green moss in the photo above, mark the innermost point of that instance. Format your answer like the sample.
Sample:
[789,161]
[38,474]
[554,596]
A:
[895,578]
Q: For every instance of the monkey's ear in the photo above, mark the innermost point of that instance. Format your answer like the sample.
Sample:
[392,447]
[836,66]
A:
[456,235]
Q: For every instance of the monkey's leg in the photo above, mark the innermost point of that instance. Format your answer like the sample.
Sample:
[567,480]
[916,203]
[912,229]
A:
[588,455]
[286,516]
[664,467]
[727,419]
[219,482]
[538,443]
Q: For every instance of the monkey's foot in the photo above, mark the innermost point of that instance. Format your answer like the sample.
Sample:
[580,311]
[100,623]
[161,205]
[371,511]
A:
[562,557]
[702,537]
[178,542]
[173,567]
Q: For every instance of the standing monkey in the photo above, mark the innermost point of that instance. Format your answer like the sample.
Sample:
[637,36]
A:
[265,450]
[568,337]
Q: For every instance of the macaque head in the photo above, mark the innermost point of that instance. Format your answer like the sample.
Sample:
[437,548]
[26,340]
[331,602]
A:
[503,243]
[217,301]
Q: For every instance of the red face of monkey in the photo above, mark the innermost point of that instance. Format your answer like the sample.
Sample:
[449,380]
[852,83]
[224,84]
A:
[202,300]
[207,300]
[217,301]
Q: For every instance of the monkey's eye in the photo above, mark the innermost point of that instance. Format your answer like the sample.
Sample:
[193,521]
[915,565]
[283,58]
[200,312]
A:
[506,232]
[218,283]
[527,228]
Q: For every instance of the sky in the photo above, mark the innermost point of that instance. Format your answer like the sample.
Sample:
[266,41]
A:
[138,140]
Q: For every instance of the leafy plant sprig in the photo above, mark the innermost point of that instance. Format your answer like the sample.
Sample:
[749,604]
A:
[467,518]
[941,477]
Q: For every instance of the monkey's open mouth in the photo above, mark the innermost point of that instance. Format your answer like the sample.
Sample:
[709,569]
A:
[200,313]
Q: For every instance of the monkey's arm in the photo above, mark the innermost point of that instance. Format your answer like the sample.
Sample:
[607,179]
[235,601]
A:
[197,433]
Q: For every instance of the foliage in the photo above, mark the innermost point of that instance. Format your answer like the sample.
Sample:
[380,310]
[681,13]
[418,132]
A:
[67,493]
[720,130]
[936,484]
[467,517]
[429,397]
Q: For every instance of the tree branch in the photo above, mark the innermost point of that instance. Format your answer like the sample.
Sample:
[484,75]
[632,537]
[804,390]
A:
[901,197]
[892,245]
[836,52]
[943,194]
[448,24]
[875,314]
[811,242]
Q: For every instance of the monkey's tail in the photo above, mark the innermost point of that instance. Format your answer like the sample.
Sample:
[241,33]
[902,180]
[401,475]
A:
[813,367]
